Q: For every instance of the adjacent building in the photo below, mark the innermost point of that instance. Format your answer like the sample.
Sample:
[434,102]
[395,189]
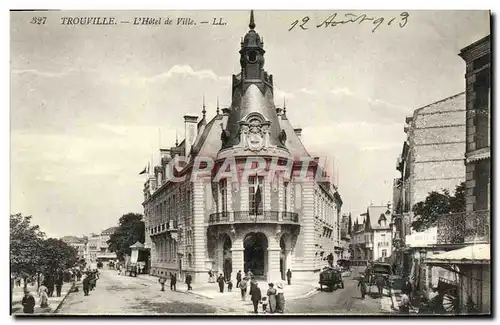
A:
[431,160]
[79,243]
[243,220]
[98,248]
[372,240]
[467,235]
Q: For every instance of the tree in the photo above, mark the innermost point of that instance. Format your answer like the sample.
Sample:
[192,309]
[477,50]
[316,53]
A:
[25,245]
[130,230]
[56,254]
[427,212]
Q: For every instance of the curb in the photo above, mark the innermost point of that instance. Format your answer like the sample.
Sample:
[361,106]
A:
[63,299]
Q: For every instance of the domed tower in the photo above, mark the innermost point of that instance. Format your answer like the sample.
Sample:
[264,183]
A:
[252,125]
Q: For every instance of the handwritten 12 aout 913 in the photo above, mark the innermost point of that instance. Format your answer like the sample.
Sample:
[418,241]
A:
[333,20]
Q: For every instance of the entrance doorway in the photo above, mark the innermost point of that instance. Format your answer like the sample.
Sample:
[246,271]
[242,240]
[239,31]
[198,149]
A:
[255,254]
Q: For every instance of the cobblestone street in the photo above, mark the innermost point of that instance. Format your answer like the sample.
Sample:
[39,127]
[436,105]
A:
[117,295]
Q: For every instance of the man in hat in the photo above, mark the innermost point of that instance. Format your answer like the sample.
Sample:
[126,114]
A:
[256,296]
[238,279]
[289,277]
[362,286]
[28,303]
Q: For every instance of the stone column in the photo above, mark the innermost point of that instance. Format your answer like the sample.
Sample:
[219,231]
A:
[220,261]
[273,264]
[237,254]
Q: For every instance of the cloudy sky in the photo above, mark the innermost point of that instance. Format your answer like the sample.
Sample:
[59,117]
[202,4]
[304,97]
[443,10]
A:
[87,101]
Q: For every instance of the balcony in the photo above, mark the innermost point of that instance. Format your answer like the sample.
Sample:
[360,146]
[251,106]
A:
[169,226]
[464,228]
[251,217]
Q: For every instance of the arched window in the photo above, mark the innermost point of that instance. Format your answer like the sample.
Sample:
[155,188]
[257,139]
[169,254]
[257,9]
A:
[190,259]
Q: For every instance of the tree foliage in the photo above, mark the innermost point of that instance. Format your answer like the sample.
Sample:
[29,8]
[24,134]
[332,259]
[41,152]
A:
[31,253]
[427,212]
[56,254]
[25,244]
[130,230]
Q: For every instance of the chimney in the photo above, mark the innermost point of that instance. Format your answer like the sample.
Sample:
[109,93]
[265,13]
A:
[298,132]
[191,130]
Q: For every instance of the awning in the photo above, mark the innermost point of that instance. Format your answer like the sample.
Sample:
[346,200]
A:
[473,254]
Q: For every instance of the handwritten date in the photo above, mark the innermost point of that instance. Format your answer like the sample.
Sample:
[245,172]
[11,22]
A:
[333,21]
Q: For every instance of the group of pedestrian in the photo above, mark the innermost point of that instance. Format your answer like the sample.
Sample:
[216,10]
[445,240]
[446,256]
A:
[275,298]
[90,281]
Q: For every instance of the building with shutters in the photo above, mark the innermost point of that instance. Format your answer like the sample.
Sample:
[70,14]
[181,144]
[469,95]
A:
[244,194]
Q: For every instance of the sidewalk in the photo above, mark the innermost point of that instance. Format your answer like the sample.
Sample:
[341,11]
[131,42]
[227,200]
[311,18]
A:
[211,290]
[54,301]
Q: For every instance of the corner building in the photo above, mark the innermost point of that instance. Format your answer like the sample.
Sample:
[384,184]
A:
[247,219]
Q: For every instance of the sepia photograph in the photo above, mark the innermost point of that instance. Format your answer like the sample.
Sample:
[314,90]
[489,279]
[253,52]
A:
[250,163]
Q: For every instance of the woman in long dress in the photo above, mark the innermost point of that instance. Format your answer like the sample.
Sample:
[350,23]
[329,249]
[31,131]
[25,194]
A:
[271,293]
[44,297]
[280,298]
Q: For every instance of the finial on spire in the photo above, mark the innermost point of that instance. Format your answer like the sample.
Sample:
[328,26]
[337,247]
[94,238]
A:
[176,139]
[204,111]
[217,104]
[284,105]
[252,22]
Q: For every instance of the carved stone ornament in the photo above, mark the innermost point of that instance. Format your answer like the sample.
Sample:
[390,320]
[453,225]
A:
[254,135]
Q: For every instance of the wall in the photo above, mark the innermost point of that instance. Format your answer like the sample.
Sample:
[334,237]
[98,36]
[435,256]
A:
[437,147]
[378,238]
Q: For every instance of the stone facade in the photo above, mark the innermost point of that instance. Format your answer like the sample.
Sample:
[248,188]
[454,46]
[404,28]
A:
[252,217]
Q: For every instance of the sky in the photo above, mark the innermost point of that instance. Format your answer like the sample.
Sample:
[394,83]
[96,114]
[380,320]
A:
[88,102]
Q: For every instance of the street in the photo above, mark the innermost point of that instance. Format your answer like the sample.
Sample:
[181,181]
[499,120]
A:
[119,295]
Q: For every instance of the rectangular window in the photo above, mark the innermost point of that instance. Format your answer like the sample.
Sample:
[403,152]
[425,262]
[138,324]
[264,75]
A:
[481,108]
[384,253]
[256,199]
[285,196]
[223,193]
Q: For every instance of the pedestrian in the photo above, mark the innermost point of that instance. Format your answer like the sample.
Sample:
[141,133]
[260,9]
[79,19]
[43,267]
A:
[280,299]
[250,274]
[59,283]
[407,288]
[28,303]
[380,285]
[256,296]
[211,277]
[229,285]
[289,277]
[173,281]
[264,304]
[86,284]
[405,304]
[243,288]
[238,279]
[162,281]
[18,281]
[49,283]
[189,280]
[362,286]
[44,297]
[220,281]
[271,297]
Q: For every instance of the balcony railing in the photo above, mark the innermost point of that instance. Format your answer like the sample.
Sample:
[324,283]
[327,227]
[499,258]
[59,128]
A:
[464,228]
[251,216]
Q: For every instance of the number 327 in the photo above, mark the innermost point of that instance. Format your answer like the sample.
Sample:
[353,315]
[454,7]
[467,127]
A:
[38,20]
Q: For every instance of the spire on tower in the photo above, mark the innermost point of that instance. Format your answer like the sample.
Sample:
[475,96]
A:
[204,111]
[252,22]
[176,139]
[217,104]
[284,105]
